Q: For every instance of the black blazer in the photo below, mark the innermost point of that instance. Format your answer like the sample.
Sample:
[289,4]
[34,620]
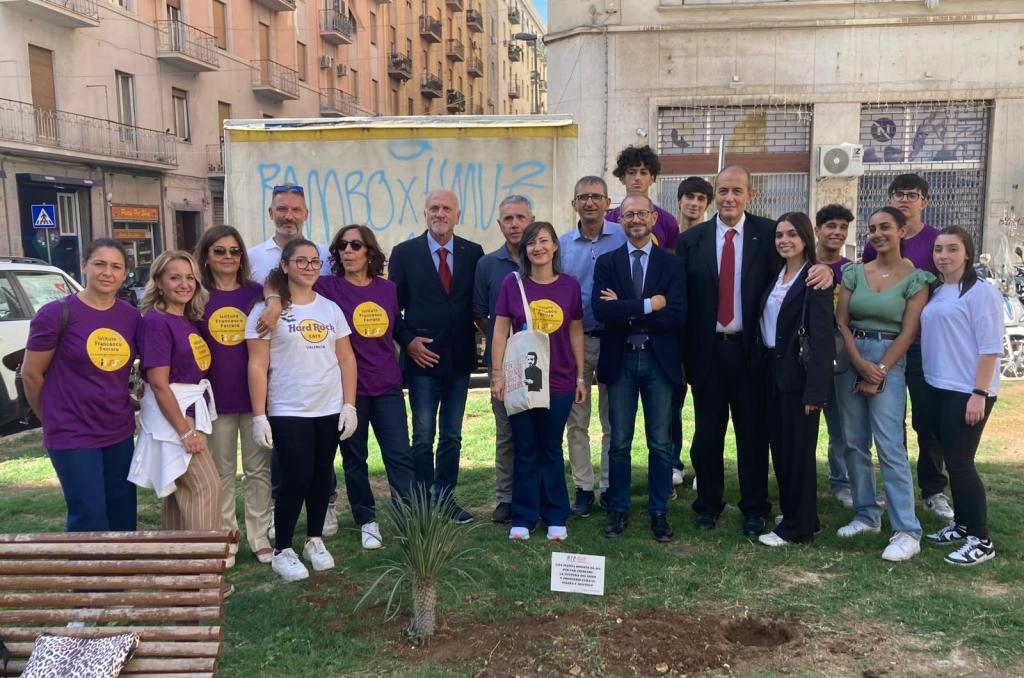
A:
[697,252]
[789,373]
[625,316]
[426,311]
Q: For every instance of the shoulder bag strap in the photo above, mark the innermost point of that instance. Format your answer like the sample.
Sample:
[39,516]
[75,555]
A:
[526,304]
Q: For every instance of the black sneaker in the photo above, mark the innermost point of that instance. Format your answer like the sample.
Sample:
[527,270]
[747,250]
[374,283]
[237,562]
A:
[972,552]
[951,534]
[461,515]
[617,522]
[705,521]
[502,513]
[660,529]
[584,503]
[753,525]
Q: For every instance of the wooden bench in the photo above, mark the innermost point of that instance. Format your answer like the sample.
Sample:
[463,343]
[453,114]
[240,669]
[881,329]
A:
[165,586]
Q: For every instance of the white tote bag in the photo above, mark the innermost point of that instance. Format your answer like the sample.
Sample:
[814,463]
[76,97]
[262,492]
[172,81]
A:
[526,364]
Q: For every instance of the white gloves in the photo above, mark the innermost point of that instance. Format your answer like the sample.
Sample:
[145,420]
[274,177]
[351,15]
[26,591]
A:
[261,432]
[347,422]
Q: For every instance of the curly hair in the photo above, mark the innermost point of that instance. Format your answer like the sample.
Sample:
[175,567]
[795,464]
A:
[152,298]
[635,156]
[374,255]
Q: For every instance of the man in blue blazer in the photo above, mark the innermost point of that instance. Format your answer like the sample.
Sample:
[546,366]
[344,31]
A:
[434,274]
[640,297]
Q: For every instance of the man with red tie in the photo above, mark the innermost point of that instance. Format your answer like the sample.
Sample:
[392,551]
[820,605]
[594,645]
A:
[728,262]
[434,274]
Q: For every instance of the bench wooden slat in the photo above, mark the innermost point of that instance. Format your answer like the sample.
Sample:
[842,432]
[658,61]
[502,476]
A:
[146,633]
[184,566]
[144,669]
[142,581]
[149,665]
[102,615]
[148,536]
[145,649]
[103,599]
[109,550]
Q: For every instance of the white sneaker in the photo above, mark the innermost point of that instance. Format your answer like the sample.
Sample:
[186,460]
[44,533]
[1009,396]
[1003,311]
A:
[856,527]
[845,497]
[330,521]
[557,533]
[288,566]
[901,547]
[519,534]
[779,519]
[271,531]
[772,539]
[971,553]
[678,476]
[317,554]
[939,505]
[370,533]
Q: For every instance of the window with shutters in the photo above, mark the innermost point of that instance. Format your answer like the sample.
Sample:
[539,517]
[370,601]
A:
[375,96]
[220,24]
[125,97]
[179,100]
[301,59]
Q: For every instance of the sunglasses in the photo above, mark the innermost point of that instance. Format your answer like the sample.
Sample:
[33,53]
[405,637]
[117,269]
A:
[220,251]
[356,245]
[289,188]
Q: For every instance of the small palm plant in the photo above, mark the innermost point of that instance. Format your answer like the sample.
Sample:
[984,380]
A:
[430,544]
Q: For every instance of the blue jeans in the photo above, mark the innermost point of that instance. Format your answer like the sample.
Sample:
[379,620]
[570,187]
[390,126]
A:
[429,397]
[538,473]
[879,417]
[838,478]
[96,488]
[641,377]
[387,414]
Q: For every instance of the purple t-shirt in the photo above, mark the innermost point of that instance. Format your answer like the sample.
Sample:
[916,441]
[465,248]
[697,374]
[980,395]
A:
[917,249]
[223,329]
[837,271]
[85,399]
[371,312]
[168,340]
[553,306]
[666,228]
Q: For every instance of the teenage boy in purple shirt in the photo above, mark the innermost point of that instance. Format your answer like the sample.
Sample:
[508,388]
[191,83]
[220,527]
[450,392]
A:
[909,194]
[638,167]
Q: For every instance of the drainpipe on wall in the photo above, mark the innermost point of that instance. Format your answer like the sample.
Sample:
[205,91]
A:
[5,212]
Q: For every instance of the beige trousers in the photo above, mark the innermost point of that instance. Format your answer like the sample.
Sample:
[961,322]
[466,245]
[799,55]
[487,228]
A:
[578,426]
[224,444]
[195,504]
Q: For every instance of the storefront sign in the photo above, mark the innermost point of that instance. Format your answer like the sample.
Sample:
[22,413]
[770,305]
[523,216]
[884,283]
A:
[134,213]
[130,234]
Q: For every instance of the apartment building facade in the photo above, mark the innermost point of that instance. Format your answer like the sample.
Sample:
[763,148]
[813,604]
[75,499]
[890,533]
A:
[112,110]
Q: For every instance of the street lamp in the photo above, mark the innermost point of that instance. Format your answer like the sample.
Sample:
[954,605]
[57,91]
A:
[531,38]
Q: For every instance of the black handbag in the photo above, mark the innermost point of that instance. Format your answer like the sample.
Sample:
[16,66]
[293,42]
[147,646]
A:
[841,360]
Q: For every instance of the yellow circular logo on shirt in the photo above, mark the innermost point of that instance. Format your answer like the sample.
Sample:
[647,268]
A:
[370,320]
[313,331]
[547,315]
[227,326]
[107,349]
[200,351]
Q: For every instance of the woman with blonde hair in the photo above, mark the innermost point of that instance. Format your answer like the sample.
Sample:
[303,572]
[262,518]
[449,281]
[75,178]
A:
[172,456]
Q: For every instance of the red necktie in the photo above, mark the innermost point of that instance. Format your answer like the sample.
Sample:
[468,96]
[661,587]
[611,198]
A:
[443,271]
[727,279]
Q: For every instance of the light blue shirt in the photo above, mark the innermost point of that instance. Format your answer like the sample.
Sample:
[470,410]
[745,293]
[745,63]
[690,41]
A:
[579,256]
[434,247]
[644,261]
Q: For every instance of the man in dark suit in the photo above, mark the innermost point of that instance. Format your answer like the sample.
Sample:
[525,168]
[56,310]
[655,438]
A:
[640,297]
[728,262]
[434,275]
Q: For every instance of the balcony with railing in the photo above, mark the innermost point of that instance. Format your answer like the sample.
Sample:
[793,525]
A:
[274,81]
[455,50]
[515,89]
[399,65]
[455,101]
[475,66]
[215,160]
[515,53]
[336,27]
[278,5]
[474,20]
[334,103]
[456,5]
[56,134]
[68,13]
[185,47]
[430,28]
[431,85]
[542,86]
[514,17]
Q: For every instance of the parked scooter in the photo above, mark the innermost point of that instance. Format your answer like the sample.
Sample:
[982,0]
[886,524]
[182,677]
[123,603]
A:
[1011,366]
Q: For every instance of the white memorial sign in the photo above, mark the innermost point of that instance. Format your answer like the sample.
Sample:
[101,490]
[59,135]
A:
[577,573]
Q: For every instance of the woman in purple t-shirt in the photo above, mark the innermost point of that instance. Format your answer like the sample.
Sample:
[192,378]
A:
[78,361]
[538,478]
[224,266]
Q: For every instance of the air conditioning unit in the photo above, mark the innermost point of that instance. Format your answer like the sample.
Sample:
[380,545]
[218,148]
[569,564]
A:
[341,70]
[841,160]
[326,61]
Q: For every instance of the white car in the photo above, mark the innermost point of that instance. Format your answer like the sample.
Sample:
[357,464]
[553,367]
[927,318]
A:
[25,286]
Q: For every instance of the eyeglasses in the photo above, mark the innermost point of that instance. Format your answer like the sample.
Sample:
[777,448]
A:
[356,245]
[909,196]
[289,188]
[303,262]
[590,197]
[221,251]
[631,216]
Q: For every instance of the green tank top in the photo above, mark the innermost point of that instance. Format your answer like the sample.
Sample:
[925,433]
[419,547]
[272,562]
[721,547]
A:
[881,311]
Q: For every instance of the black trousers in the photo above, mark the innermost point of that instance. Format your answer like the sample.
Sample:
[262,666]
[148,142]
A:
[305,450]
[730,389]
[958,443]
[793,437]
[930,477]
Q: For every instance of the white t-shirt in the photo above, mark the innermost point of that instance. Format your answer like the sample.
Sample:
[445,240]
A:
[956,330]
[770,316]
[265,257]
[305,378]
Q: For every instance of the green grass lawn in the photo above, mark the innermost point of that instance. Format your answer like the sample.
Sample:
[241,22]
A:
[832,607]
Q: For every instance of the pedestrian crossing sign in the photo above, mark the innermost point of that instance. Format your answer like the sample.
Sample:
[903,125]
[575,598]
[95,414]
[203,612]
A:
[44,216]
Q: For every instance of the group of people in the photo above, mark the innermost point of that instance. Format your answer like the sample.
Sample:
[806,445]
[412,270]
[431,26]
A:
[287,348]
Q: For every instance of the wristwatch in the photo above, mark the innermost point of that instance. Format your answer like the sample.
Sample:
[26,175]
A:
[885,370]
